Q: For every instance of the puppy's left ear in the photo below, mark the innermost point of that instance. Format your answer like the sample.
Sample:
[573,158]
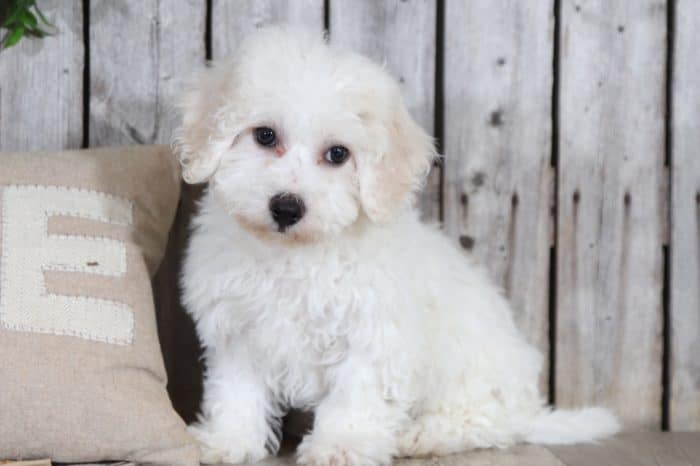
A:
[389,180]
[200,105]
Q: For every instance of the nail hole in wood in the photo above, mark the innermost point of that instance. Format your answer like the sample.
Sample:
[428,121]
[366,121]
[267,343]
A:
[514,200]
[577,197]
[464,199]
[628,199]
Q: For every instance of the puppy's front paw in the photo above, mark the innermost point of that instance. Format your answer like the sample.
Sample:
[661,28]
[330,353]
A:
[327,455]
[316,453]
[215,447]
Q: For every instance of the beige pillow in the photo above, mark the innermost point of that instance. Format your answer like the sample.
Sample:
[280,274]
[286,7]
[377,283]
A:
[81,371]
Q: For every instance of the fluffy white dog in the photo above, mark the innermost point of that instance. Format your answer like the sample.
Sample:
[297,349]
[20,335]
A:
[314,284]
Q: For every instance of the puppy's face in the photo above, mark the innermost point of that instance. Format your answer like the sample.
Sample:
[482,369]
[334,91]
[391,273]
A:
[291,170]
[299,140]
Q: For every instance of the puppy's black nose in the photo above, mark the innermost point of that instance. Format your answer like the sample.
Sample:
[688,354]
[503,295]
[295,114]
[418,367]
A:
[286,209]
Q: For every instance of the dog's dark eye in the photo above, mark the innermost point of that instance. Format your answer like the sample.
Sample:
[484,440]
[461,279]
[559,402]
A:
[336,155]
[266,136]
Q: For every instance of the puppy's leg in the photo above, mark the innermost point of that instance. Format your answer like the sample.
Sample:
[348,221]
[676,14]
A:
[354,425]
[238,420]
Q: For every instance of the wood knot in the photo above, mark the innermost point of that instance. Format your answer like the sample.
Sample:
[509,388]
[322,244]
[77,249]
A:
[496,118]
[576,197]
[478,179]
[467,242]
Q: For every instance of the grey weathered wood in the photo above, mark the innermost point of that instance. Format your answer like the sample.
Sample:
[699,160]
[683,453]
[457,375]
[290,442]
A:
[610,229]
[498,179]
[41,85]
[139,52]
[635,449]
[233,20]
[400,35]
[522,455]
[685,219]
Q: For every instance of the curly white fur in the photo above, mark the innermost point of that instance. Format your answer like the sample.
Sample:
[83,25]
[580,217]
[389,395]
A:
[397,341]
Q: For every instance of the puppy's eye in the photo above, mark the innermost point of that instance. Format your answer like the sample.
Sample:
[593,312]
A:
[266,136]
[336,155]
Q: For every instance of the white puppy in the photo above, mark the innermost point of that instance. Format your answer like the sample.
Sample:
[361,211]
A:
[314,284]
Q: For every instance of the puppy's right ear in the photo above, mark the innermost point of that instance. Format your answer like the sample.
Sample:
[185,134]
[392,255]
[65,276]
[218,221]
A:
[195,141]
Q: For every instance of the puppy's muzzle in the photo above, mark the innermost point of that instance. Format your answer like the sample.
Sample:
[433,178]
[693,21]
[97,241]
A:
[286,209]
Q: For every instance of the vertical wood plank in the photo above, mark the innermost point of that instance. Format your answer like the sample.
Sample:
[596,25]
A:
[610,229]
[401,35]
[41,85]
[139,52]
[498,179]
[232,21]
[685,220]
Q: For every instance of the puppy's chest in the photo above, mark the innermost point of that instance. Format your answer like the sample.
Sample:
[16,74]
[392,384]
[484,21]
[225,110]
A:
[310,310]
[300,327]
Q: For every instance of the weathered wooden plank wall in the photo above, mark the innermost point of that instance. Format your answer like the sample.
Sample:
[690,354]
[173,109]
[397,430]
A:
[137,53]
[232,21]
[554,174]
[138,50]
[498,132]
[41,86]
[610,225]
[685,220]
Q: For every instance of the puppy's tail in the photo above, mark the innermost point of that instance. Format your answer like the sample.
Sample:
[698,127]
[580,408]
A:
[563,427]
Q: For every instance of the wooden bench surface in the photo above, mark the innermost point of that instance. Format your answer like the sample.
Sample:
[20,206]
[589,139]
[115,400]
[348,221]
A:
[629,449]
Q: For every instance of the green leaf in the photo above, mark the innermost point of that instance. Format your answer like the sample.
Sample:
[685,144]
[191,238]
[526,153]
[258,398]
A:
[42,17]
[13,37]
[23,18]
[28,19]
[19,7]
[45,29]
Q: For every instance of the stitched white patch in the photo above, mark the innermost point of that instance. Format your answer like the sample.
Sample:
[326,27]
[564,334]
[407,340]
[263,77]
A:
[28,250]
